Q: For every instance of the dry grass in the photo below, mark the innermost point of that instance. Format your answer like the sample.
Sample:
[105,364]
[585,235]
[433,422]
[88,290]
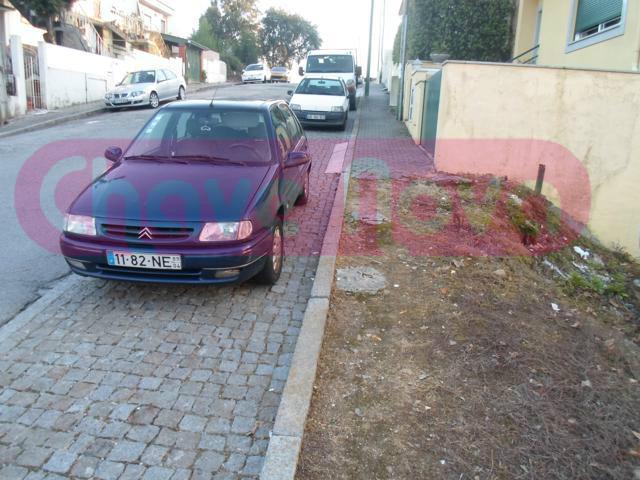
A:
[464,373]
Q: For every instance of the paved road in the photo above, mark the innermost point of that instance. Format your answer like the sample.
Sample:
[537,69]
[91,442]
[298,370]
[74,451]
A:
[27,267]
[118,381]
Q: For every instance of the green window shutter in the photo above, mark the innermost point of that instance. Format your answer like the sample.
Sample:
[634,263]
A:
[594,12]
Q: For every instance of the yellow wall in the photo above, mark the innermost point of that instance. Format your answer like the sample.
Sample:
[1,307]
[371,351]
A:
[619,53]
[526,27]
[575,121]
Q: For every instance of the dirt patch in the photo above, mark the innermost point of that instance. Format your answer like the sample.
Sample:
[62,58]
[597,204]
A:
[513,357]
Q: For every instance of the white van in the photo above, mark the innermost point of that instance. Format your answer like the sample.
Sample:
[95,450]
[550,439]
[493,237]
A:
[334,64]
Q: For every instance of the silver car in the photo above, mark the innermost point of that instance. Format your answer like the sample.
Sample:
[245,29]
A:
[146,88]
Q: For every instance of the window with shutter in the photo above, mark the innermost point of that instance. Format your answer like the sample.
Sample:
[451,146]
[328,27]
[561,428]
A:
[594,16]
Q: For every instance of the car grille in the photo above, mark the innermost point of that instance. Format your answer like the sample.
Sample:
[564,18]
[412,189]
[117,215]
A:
[120,95]
[135,232]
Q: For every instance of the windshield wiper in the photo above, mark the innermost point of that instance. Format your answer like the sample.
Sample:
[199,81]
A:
[153,158]
[211,159]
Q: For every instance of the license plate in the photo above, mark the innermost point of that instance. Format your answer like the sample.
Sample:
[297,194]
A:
[316,117]
[144,260]
[121,100]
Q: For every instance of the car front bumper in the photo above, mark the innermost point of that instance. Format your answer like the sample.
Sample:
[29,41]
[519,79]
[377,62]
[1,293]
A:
[127,101]
[205,264]
[330,118]
[253,78]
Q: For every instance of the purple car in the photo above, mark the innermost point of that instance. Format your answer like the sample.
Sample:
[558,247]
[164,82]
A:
[199,196]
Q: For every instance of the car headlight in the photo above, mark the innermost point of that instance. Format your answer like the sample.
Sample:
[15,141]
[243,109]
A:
[137,93]
[226,231]
[337,109]
[80,225]
[295,106]
[109,96]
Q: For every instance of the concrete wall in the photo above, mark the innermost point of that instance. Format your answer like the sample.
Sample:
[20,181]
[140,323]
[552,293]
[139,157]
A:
[557,28]
[585,125]
[215,68]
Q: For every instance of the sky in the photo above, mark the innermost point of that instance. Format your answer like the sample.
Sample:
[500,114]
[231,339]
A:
[341,23]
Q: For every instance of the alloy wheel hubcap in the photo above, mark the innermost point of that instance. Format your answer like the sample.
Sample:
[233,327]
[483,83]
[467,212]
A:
[277,250]
[154,100]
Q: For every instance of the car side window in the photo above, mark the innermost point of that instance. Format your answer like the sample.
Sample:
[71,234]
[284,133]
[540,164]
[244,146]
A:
[292,125]
[169,74]
[282,135]
[161,77]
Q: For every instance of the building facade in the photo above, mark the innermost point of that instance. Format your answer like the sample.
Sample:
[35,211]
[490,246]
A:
[599,34]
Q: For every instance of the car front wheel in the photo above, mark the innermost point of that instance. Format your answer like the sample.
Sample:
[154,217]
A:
[275,258]
[303,199]
[182,94]
[352,102]
[154,100]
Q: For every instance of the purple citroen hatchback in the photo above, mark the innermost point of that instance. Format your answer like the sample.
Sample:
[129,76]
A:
[199,196]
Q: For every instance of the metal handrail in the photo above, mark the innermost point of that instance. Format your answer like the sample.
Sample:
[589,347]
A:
[530,60]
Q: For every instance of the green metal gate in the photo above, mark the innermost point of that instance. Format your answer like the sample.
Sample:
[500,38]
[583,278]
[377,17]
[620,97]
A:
[194,66]
[430,113]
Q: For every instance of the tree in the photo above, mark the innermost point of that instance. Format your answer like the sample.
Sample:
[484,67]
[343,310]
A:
[480,30]
[286,38]
[229,27]
[41,13]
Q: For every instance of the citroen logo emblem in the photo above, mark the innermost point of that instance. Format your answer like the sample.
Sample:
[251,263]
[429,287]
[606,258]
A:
[145,233]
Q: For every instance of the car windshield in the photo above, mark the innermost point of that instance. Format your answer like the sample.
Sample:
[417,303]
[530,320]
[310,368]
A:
[148,76]
[215,135]
[330,64]
[257,66]
[319,86]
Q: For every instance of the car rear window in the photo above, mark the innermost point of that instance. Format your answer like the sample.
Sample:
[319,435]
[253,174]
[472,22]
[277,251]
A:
[237,135]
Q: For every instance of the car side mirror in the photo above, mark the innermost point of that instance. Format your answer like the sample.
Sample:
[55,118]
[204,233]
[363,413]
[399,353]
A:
[301,71]
[113,154]
[295,159]
[289,92]
[359,71]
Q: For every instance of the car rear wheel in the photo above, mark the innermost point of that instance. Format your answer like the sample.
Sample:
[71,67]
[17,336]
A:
[154,100]
[182,94]
[275,258]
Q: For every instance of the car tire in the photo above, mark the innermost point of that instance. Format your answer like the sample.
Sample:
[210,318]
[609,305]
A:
[343,127]
[353,105]
[182,94]
[154,100]
[303,198]
[264,80]
[270,274]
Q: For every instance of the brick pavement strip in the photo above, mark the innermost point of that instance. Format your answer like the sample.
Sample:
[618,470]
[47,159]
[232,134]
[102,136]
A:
[116,380]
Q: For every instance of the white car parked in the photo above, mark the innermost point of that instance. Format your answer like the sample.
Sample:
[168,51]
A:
[321,101]
[256,72]
[146,88]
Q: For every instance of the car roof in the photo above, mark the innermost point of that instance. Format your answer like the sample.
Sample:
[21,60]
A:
[248,105]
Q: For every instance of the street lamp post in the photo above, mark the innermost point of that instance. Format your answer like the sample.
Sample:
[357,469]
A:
[368,79]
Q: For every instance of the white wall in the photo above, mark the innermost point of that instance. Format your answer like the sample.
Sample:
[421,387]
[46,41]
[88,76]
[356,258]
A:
[71,77]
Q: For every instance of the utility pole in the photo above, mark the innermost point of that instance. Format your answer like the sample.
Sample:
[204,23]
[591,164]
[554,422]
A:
[403,59]
[382,27]
[368,79]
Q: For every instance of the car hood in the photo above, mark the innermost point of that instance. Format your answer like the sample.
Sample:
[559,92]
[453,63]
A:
[172,192]
[320,103]
[132,88]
